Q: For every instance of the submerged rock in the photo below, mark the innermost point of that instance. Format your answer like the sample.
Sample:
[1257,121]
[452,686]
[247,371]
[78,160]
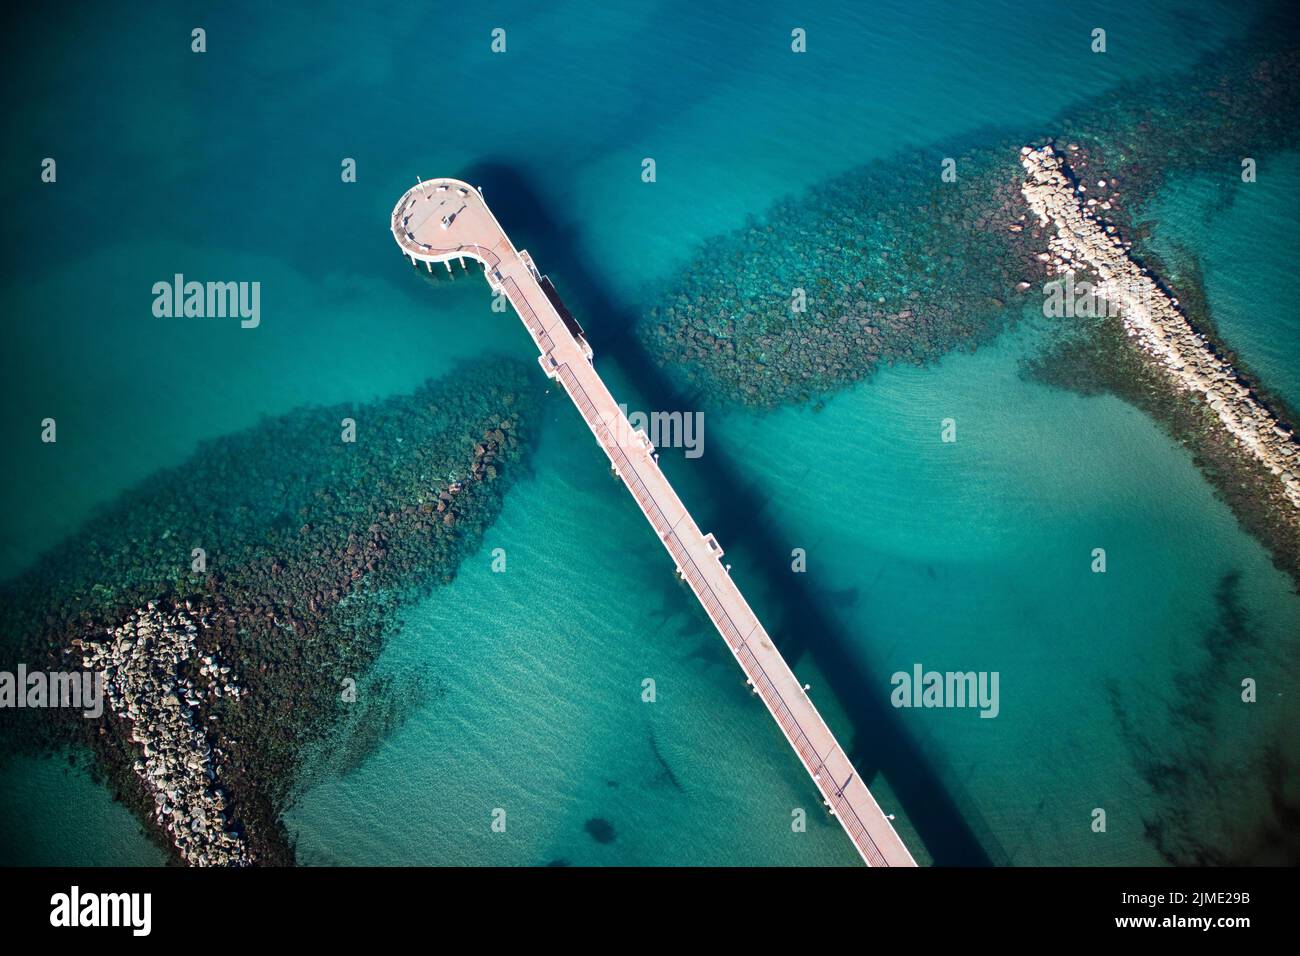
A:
[600,830]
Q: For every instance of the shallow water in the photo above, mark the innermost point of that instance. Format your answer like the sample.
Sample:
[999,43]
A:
[970,555]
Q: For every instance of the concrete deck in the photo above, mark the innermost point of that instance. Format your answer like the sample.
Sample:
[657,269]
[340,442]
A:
[445,221]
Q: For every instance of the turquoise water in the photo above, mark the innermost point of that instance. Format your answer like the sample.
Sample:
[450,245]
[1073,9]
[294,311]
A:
[1246,240]
[973,555]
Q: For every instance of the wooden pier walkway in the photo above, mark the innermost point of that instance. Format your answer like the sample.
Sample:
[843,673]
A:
[445,221]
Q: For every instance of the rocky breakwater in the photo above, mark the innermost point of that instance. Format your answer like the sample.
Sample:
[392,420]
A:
[1151,316]
[315,548]
[147,663]
[892,263]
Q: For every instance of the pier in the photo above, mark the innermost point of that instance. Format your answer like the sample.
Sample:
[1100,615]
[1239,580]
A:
[441,221]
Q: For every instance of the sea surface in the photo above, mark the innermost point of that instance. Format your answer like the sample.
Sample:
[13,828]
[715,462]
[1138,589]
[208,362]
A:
[970,555]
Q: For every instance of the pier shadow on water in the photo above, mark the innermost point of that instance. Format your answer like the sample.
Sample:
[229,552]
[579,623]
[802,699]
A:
[880,742]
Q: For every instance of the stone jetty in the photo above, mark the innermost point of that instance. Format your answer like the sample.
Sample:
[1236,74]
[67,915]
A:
[316,546]
[1151,316]
[146,663]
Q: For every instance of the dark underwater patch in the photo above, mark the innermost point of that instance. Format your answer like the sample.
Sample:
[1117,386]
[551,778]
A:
[1202,812]
[600,830]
